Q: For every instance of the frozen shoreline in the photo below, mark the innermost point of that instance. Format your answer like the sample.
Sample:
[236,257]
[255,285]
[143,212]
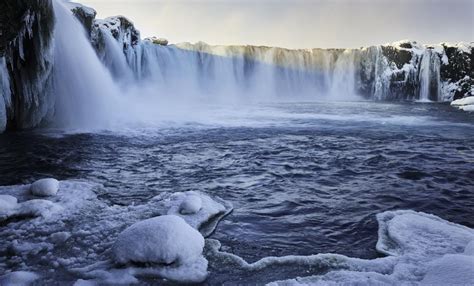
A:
[77,231]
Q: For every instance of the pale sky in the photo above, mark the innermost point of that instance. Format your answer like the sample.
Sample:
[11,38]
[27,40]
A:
[297,23]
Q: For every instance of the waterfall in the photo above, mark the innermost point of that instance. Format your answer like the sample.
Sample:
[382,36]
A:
[84,89]
[429,76]
[76,81]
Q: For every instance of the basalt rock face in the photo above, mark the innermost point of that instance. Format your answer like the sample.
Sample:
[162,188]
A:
[84,14]
[26,63]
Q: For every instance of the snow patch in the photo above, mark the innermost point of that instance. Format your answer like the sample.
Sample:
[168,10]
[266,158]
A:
[164,240]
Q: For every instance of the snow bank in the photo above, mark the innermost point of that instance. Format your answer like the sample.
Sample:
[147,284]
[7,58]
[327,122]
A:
[420,247]
[165,240]
[466,103]
[45,187]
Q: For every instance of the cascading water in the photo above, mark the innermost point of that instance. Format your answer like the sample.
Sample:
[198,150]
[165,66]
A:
[5,94]
[86,95]
[429,76]
[119,77]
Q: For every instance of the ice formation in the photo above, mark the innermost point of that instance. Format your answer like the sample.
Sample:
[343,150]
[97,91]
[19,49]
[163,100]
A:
[419,247]
[119,72]
[191,204]
[466,103]
[45,187]
[164,239]
[18,278]
[37,228]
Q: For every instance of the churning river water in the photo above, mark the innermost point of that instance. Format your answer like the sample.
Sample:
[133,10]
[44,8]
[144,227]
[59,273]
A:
[304,178]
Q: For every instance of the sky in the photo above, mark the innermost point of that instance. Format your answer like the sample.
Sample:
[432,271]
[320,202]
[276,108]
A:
[297,23]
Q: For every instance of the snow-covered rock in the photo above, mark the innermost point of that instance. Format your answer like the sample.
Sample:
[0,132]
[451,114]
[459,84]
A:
[451,269]
[7,203]
[157,41]
[76,232]
[191,204]
[164,240]
[466,103]
[420,247]
[469,250]
[45,187]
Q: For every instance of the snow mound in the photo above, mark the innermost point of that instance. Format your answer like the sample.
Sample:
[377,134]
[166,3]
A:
[466,103]
[165,240]
[45,187]
[18,278]
[191,204]
[205,218]
[7,203]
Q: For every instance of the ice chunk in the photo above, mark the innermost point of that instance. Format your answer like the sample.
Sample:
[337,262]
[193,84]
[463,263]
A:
[466,103]
[18,278]
[420,235]
[7,203]
[191,204]
[165,240]
[60,237]
[45,187]
[451,269]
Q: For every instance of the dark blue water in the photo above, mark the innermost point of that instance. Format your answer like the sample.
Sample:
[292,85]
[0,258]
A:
[304,178]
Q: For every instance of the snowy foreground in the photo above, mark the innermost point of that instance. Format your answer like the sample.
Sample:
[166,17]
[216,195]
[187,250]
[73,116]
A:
[165,238]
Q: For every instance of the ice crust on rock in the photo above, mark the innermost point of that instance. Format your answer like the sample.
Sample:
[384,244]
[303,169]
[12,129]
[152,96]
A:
[420,247]
[74,231]
[18,278]
[164,240]
[7,203]
[45,187]
[466,103]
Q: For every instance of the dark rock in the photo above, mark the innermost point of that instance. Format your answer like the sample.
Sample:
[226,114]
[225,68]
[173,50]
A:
[27,30]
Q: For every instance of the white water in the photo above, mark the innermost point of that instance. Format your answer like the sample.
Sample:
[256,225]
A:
[5,94]
[149,83]
[429,75]
[86,94]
